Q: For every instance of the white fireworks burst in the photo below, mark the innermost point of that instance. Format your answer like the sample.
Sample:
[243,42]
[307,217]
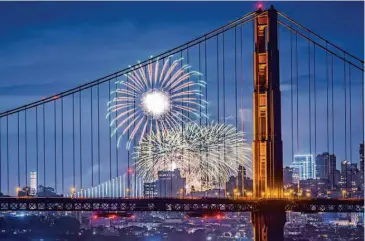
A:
[155,98]
[207,154]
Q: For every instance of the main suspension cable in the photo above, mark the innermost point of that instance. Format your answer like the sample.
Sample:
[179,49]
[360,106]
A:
[320,37]
[321,46]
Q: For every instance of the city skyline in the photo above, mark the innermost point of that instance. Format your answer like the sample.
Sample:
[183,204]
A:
[44,89]
[114,125]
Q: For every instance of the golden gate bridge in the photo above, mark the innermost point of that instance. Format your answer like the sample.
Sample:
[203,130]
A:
[66,140]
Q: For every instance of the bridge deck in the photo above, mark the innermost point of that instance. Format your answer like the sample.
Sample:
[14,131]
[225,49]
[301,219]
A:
[179,205]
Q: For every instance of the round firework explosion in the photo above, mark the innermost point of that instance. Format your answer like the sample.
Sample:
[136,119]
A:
[154,98]
[205,155]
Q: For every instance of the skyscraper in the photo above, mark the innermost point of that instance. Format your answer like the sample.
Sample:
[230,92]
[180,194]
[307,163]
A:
[325,165]
[241,178]
[361,151]
[332,169]
[322,165]
[295,175]
[33,183]
[348,167]
[305,165]
[168,184]
[288,175]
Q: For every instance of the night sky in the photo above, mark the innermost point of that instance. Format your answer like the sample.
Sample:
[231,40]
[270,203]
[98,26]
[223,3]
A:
[48,47]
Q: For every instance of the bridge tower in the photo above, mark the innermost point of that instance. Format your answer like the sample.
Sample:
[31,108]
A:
[267,146]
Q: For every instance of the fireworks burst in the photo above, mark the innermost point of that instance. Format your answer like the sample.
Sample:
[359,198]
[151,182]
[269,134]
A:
[154,98]
[204,154]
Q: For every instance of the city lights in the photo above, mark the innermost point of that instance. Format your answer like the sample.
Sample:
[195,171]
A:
[248,132]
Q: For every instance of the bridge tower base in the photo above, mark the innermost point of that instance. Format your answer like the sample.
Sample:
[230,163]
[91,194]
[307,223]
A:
[268,225]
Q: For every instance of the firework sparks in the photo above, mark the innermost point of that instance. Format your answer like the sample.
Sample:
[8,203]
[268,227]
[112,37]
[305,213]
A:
[155,98]
[204,154]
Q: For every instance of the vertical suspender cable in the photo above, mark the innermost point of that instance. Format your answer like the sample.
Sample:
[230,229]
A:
[44,145]
[291,94]
[55,145]
[327,102]
[18,146]
[297,84]
[128,154]
[333,123]
[134,142]
[206,100]
[362,109]
[73,141]
[224,95]
[62,168]
[219,181]
[109,140]
[116,124]
[242,105]
[26,147]
[362,106]
[310,110]
[182,115]
[187,62]
[350,129]
[315,105]
[224,102]
[80,140]
[315,112]
[200,123]
[36,143]
[235,95]
[345,93]
[297,97]
[1,153]
[98,112]
[7,152]
[92,138]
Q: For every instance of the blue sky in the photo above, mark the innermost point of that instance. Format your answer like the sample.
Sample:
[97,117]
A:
[47,47]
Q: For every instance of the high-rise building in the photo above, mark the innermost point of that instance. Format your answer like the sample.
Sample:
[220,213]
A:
[332,169]
[240,185]
[241,178]
[337,178]
[317,187]
[149,189]
[350,178]
[325,165]
[231,184]
[348,167]
[168,184]
[361,152]
[295,175]
[305,165]
[33,183]
[287,175]
[322,161]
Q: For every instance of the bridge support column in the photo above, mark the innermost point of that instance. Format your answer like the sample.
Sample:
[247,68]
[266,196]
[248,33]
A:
[268,225]
[267,150]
